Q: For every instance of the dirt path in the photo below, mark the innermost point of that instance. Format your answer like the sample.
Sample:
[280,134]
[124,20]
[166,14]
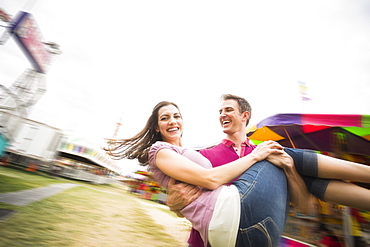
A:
[177,227]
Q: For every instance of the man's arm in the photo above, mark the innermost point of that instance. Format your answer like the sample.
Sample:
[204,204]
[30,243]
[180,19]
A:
[181,195]
[300,197]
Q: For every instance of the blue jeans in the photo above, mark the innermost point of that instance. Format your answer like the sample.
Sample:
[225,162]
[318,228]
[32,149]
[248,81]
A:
[264,197]
[264,205]
[306,163]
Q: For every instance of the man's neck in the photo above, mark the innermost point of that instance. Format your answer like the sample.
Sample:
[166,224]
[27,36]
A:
[237,138]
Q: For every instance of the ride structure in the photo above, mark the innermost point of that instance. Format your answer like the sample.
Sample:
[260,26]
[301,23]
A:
[18,100]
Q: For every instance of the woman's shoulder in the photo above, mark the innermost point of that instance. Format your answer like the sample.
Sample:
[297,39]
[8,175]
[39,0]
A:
[161,145]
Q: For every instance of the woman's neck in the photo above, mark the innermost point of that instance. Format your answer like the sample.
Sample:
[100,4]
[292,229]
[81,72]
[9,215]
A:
[175,142]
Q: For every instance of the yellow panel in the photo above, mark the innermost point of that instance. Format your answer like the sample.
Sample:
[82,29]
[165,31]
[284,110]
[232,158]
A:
[251,129]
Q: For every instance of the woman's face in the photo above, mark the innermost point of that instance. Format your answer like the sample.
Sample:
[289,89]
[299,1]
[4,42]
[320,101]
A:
[170,124]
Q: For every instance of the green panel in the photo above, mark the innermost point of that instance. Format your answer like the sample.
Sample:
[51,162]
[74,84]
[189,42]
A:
[255,142]
[358,131]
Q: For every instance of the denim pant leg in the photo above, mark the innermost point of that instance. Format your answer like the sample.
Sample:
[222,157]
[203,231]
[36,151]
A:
[306,164]
[264,205]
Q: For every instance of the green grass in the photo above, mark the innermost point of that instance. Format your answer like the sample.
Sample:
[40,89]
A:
[15,180]
[82,216]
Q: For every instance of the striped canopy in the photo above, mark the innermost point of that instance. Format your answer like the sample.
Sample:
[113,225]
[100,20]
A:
[321,132]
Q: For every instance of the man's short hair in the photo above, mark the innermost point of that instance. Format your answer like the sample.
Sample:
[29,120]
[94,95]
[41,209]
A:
[243,103]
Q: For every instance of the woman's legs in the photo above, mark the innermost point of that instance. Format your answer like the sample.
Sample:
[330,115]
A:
[347,194]
[306,164]
[309,163]
[264,205]
[339,191]
[313,167]
[333,168]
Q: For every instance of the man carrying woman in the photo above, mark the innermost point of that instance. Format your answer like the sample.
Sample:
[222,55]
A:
[251,211]
[235,113]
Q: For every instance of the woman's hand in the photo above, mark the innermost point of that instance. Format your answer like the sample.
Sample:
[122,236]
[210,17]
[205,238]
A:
[267,148]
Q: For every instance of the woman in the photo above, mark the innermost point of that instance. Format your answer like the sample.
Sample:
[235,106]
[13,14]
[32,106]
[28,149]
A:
[159,144]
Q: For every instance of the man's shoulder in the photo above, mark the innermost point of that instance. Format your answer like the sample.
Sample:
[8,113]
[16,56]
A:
[219,154]
[211,147]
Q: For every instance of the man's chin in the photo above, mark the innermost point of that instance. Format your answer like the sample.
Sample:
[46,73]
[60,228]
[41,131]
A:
[226,131]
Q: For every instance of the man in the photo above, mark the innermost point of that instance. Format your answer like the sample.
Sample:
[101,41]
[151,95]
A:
[235,113]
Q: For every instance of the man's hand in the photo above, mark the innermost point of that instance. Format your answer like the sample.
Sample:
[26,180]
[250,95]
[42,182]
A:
[282,160]
[180,195]
[267,148]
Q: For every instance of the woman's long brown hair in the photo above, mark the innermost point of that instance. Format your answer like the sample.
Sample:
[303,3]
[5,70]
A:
[138,146]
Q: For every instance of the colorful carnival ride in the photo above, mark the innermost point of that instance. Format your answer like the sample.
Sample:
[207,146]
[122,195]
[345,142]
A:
[337,135]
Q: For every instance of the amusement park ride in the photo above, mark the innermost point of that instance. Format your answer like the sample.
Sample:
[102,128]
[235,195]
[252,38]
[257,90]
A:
[29,143]
[109,142]
[117,128]
[17,101]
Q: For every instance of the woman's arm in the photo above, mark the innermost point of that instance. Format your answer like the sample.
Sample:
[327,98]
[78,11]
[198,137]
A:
[300,197]
[182,169]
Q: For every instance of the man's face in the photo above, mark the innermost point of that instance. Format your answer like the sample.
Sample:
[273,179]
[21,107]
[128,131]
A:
[231,119]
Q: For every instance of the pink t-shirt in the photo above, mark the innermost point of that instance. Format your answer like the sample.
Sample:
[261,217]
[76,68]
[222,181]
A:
[199,212]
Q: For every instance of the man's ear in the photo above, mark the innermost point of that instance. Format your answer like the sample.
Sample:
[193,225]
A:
[246,115]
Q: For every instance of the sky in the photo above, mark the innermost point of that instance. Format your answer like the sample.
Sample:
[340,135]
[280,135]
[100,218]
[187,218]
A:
[119,58]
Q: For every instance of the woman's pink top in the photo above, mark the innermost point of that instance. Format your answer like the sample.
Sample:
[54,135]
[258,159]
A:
[199,212]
